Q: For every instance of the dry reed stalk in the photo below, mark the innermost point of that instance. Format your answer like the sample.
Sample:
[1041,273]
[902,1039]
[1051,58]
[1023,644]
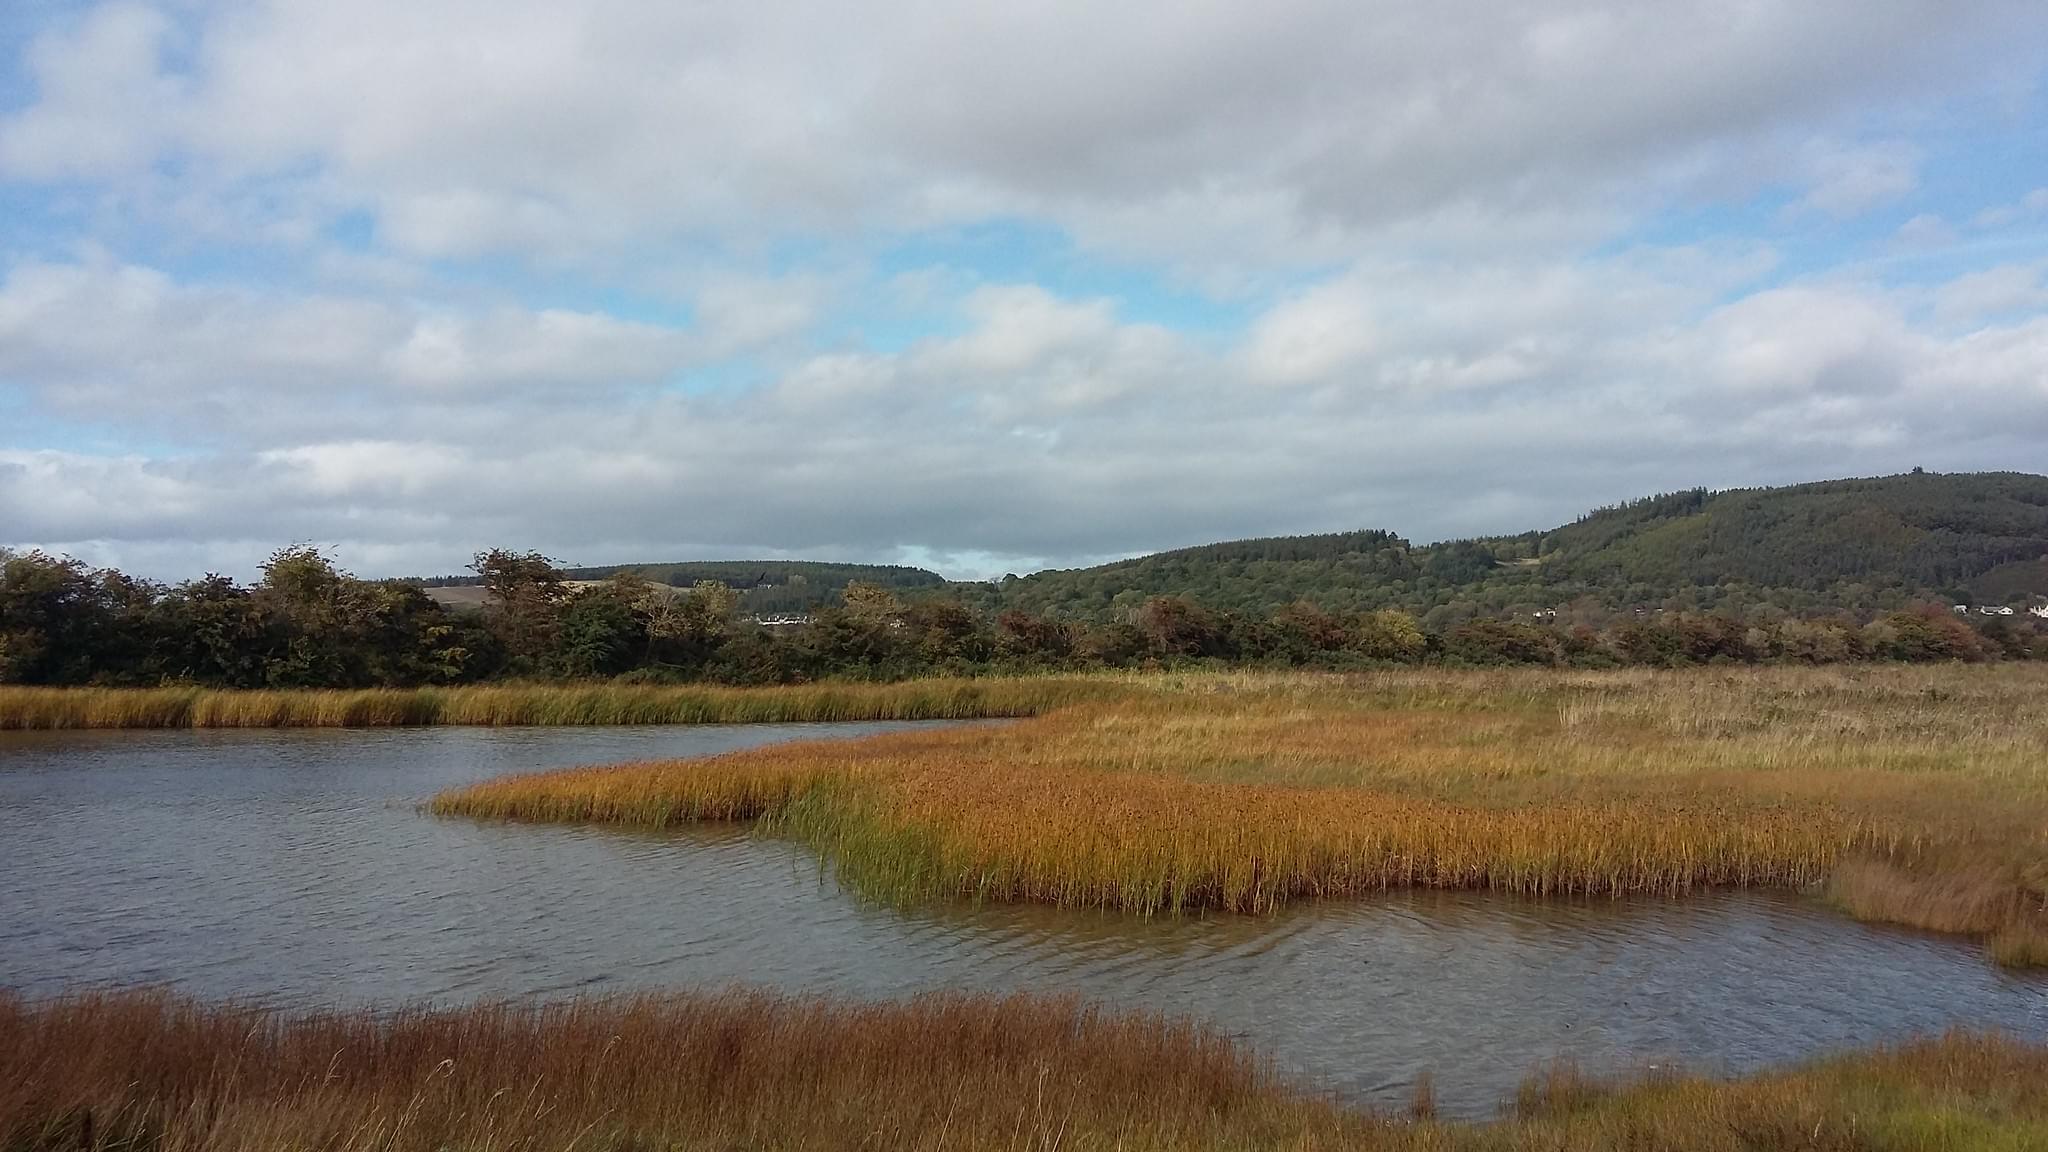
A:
[151,1072]
[540,704]
[730,1069]
[1249,791]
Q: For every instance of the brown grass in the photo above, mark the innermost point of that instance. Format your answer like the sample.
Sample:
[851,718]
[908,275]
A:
[737,1069]
[539,704]
[149,1072]
[1243,792]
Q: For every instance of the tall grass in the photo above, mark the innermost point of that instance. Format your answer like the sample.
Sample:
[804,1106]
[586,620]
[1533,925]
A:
[538,704]
[1245,792]
[150,1072]
[738,1069]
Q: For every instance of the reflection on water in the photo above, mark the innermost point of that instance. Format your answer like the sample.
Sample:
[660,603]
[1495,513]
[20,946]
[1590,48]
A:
[293,867]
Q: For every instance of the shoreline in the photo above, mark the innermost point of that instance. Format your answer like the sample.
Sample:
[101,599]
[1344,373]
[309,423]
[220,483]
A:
[538,705]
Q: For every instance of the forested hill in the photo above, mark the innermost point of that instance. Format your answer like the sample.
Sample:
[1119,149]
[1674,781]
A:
[1965,535]
[1859,545]
[1339,571]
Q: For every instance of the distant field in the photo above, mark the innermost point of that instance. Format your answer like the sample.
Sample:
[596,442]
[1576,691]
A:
[476,595]
[1915,795]
[459,595]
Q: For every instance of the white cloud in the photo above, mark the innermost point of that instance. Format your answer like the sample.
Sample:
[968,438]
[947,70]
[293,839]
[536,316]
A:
[1803,340]
[99,339]
[554,129]
[1993,292]
[1059,428]
[105,105]
[1850,180]
[2034,203]
[379,468]
[1927,230]
[1428,226]
[1314,336]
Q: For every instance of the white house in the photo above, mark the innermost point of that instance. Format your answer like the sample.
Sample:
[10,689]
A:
[2040,610]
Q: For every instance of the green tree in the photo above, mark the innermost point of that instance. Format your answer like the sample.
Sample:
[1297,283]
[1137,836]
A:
[598,633]
[1390,635]
[55,618]
[526,593]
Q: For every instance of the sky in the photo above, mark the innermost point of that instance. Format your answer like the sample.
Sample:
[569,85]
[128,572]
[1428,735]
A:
[992,287]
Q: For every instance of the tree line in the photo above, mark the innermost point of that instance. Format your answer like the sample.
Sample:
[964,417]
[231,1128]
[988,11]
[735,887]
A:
[305,623]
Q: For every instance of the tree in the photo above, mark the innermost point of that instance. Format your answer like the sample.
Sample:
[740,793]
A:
[1022,636]
[1503,642]
[1177,626]
[870,603]
[598,633]
[944,633]
[55,617]
[684,626]
[1924,636]
[1390,635]
[214,631]
[526,594]
[1305,627]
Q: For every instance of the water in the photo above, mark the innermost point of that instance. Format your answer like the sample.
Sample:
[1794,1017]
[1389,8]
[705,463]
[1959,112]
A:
[294,868]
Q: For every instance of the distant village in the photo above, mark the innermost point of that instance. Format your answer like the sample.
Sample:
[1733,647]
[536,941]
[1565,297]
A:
[2041,610]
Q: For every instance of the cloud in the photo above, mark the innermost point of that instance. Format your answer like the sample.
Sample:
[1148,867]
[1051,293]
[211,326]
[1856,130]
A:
[629,280]
[104,101]
[1314,335]
[2001,291]
[1927,230]
[2034,203]
[99,340]
[1052,427]
[1847,181]
[562,130]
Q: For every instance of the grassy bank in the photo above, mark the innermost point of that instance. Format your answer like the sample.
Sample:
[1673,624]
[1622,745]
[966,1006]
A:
[145,1072]
[546,704]
[1915,795]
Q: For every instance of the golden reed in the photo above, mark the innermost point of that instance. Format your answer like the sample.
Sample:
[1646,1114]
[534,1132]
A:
[151,1072]
[536,704]
[1243,792]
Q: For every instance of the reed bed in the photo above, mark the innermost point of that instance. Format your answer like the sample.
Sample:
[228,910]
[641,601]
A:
[539,704]
[1244,792]
[735,1069]
[151,1072]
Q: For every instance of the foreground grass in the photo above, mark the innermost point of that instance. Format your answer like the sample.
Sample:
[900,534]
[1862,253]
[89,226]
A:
[541,704]
[147,1072]
[1912,795]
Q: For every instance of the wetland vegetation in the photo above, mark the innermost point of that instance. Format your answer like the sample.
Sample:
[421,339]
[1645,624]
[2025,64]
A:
[499,705]
[151,1072]
[1916,796]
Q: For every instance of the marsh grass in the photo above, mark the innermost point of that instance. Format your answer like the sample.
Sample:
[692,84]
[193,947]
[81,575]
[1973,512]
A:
[1921,797]
[718,1070]
[540,704]
[151,1072]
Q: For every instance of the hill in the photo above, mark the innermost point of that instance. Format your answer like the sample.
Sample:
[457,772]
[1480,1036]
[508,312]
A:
[1958,535]
[1859,545]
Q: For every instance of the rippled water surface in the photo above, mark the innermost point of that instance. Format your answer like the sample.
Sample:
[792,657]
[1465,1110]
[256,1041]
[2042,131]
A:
[293,867]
